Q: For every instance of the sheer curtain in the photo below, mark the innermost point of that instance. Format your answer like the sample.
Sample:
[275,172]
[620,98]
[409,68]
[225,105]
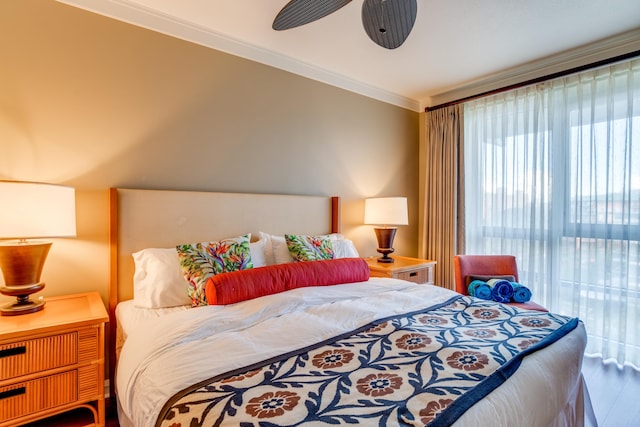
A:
[553,176]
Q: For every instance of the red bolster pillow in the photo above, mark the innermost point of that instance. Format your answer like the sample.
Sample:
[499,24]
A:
[242,285]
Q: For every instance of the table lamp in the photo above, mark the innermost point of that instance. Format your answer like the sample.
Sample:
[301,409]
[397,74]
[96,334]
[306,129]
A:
[30,210]
[386,212]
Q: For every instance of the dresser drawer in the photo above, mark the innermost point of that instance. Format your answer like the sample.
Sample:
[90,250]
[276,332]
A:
[36,355]
[43,393]
[417,276]
[415,270]
[40,354]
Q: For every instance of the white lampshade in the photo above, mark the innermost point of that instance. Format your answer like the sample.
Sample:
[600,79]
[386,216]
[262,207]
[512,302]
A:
[386,211]
[32,210]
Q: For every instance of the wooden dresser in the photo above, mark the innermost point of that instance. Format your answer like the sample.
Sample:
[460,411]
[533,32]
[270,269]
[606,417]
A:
[52,361]
[411,269]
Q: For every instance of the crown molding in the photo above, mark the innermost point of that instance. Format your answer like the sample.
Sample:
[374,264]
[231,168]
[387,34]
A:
[612,47]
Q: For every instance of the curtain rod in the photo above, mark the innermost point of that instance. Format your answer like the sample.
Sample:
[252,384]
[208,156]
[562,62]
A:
[537,80]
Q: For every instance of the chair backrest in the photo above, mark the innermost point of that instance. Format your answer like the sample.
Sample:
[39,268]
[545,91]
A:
[482,265]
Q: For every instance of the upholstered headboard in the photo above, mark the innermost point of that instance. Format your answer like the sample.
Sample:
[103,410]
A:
[164,218]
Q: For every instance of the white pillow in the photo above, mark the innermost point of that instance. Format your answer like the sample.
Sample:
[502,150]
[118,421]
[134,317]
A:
[269,257]
[158,281]
[258,252]
[335,236]
[344,248]
[280,250]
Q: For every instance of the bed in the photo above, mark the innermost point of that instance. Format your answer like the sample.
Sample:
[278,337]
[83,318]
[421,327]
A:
[316,342]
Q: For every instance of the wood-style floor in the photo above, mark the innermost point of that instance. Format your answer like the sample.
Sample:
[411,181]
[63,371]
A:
[614,392]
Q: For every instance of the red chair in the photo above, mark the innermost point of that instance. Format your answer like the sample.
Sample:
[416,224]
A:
[488,265]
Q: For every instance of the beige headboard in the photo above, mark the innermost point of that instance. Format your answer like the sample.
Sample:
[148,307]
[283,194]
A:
[164,218]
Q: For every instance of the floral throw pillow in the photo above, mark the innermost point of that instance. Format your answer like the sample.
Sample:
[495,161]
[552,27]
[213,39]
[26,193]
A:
[309,248]
[199,261]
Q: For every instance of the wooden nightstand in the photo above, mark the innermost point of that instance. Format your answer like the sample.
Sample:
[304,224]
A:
[412,269]
[52,361]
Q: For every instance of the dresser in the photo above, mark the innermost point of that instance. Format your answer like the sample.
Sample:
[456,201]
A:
[52,361]
[411,269]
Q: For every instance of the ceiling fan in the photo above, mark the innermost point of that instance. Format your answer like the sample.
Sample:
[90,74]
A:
[386,22]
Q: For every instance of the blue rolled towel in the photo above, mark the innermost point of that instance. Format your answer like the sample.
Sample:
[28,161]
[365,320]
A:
[483,292]
[479,289]
[501,290]
[520,292]
[471,288]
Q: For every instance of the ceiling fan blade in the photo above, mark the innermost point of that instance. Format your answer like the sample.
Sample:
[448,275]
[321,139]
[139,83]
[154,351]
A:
[300,12]
[389,22]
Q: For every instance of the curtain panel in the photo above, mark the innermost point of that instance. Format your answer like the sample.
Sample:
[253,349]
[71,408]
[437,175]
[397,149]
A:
[553,177]
[442,196]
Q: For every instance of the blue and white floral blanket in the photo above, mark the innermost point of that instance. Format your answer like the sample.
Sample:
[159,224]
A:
[425,367]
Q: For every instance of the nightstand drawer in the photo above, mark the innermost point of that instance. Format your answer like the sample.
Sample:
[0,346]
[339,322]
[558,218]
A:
[29,397]
[29,356]
[411,269]
[37,355]
[417,276]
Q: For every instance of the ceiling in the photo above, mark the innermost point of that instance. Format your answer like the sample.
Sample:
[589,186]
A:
[456,48]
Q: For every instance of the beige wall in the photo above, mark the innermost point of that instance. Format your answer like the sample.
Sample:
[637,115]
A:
[96,103]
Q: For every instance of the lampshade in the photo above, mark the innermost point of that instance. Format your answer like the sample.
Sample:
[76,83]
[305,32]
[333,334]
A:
[31,210]
[386,211]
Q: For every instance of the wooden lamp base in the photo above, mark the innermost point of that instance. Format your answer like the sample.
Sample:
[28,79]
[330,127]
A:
[385,238]
[21,263]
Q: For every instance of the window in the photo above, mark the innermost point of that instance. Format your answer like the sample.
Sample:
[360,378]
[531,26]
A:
[552,175]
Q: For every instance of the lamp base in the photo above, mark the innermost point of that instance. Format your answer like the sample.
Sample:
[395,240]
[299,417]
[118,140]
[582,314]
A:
[385,237]
[21,307]
[21,265]
[385,258]
[23,304]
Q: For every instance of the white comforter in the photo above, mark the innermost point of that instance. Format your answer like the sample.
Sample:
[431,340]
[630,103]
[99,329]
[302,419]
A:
[167,354]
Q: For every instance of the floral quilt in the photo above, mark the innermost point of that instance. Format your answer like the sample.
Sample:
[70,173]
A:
[423,368]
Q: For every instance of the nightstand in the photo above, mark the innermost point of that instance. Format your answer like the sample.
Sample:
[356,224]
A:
[52,361]
[412,269]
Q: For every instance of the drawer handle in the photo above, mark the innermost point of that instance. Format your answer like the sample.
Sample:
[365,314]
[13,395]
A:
[13,351]
[14,392]
[413,274]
